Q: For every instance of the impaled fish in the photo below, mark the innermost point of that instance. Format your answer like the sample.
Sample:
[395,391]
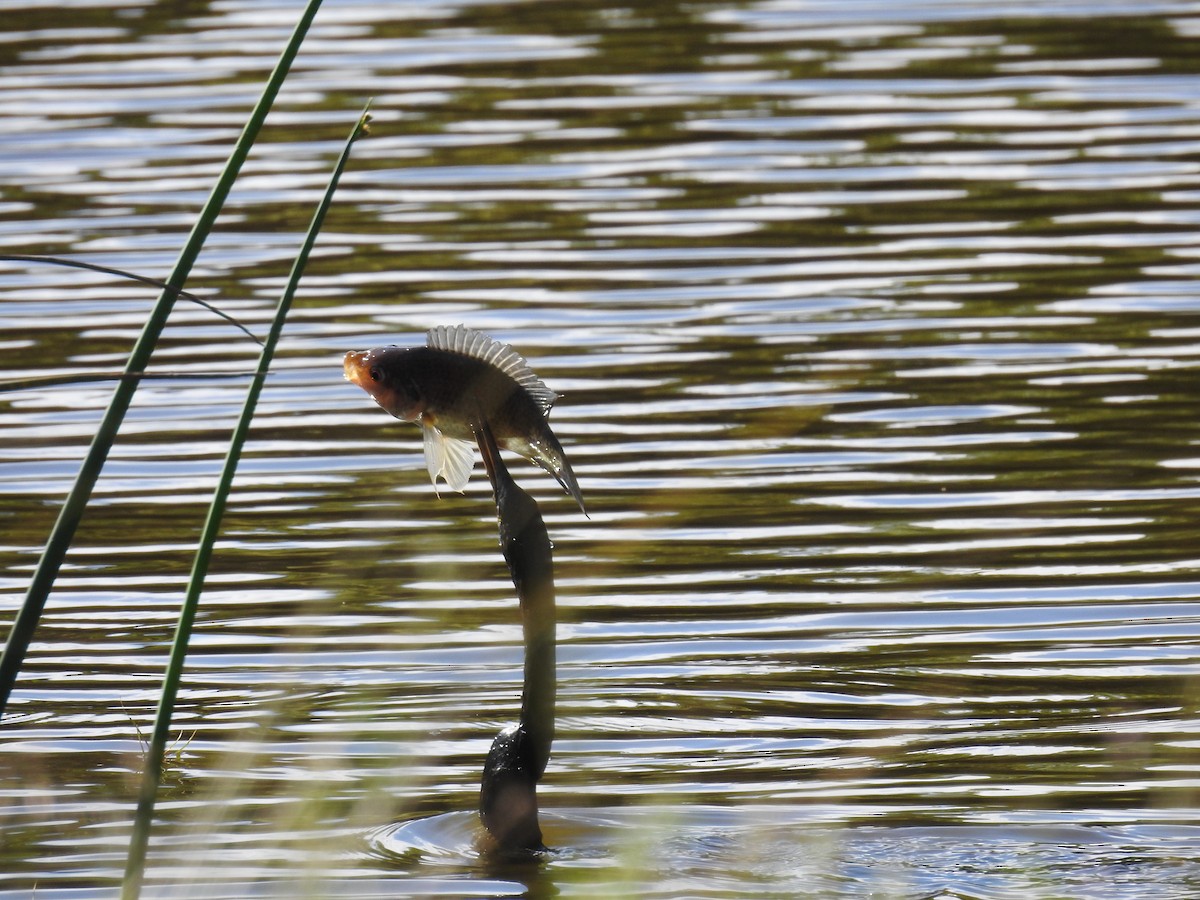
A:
[446,385]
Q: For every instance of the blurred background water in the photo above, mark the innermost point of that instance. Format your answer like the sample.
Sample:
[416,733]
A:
[876,329]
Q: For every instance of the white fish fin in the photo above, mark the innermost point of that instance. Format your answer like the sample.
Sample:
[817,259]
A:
[448,458]
[476,344]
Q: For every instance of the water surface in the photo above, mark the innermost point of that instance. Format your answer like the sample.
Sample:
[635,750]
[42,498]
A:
[876,329]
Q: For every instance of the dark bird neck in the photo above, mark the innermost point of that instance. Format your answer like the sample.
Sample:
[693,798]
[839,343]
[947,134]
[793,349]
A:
[538,621]
[518,757]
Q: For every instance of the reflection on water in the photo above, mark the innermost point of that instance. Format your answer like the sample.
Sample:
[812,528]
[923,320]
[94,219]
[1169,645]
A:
[876,330]
[761,851]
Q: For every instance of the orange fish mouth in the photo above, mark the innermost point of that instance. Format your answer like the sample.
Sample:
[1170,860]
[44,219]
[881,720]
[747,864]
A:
[354,367]
[359,367]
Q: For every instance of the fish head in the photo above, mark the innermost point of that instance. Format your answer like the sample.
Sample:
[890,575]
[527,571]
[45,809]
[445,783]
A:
[384,373]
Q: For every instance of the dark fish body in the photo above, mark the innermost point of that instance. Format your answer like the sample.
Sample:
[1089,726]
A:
[446,386]
[451,387]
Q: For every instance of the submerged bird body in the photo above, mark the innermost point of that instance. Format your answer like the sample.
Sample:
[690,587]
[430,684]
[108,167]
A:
[444,386]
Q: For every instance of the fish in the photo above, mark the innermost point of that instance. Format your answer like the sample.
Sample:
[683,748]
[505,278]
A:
[445,387]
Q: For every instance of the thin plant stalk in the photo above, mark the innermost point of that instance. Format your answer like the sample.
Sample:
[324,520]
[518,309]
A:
[136,861]
[131,276]
[73,507]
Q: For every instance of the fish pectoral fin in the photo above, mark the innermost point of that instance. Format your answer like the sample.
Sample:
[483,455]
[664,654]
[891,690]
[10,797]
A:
[450,459]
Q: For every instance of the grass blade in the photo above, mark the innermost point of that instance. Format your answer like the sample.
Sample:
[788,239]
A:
[131,276]
[81,491]
[136,861]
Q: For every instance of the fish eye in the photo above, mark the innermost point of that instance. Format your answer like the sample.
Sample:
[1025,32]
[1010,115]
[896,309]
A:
[375,373]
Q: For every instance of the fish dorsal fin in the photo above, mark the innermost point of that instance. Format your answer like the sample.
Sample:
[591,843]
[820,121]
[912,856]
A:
[476,344]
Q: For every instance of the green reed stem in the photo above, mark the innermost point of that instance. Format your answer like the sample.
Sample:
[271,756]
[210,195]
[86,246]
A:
[73,507]
[136,861]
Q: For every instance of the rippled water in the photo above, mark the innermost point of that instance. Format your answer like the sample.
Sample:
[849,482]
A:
[876,328]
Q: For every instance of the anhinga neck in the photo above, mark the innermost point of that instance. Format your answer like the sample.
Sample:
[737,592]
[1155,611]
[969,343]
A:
[518,757]
[538,621]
